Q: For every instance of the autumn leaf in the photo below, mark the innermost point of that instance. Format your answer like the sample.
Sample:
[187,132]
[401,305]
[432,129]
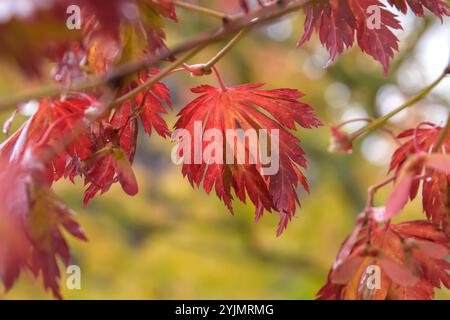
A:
[31,226]
[52,120]
[115,140]
[435,179]
[151,106]
[101,39]
[411,258]
[338,21]
[438,7]
[246,109]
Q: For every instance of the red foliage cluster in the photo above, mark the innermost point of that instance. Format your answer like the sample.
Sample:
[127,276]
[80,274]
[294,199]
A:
[108,23]
[59,141]
[412,255]
[338,21]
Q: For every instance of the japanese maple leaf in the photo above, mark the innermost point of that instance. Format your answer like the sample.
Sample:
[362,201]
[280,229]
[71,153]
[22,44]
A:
[337,22]
[435,187]
[36,218]
[14,242]
[411,258]
[242,109]
[377,41]
[405,181]
[116,140]
[52,120]
[148,106]
[103,152]
[43,31]
[438,7]
[113,165]
[139,35]
[151,107]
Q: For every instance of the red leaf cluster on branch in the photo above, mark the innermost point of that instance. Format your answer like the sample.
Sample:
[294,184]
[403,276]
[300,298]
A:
[411,256]
[338,21]
[104,23]
[434,175]
[33,158]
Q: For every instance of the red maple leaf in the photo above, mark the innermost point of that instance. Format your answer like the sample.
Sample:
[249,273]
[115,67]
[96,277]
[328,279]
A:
[102,22]
[52,120]
[411,258]
[97,154]
[438,7]
[246,108]
[115,140]
[337,22]
[36,218]
[435,187]
[150,104]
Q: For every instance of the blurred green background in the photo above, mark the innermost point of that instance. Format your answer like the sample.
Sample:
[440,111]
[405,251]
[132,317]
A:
[174,242]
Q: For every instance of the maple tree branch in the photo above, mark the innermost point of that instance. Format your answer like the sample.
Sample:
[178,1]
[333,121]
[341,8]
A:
[234,24]
[377,123]
[199,9]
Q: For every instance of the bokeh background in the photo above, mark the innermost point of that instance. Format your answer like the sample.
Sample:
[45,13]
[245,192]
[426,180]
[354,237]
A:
[174,242]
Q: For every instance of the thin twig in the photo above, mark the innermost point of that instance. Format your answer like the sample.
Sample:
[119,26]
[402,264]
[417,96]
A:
[382,120]
[203,69]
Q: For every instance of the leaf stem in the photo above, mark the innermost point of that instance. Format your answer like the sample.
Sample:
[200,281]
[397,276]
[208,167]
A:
[219,79]
[373,189]
[200,9]
[442,135]
[382,120]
